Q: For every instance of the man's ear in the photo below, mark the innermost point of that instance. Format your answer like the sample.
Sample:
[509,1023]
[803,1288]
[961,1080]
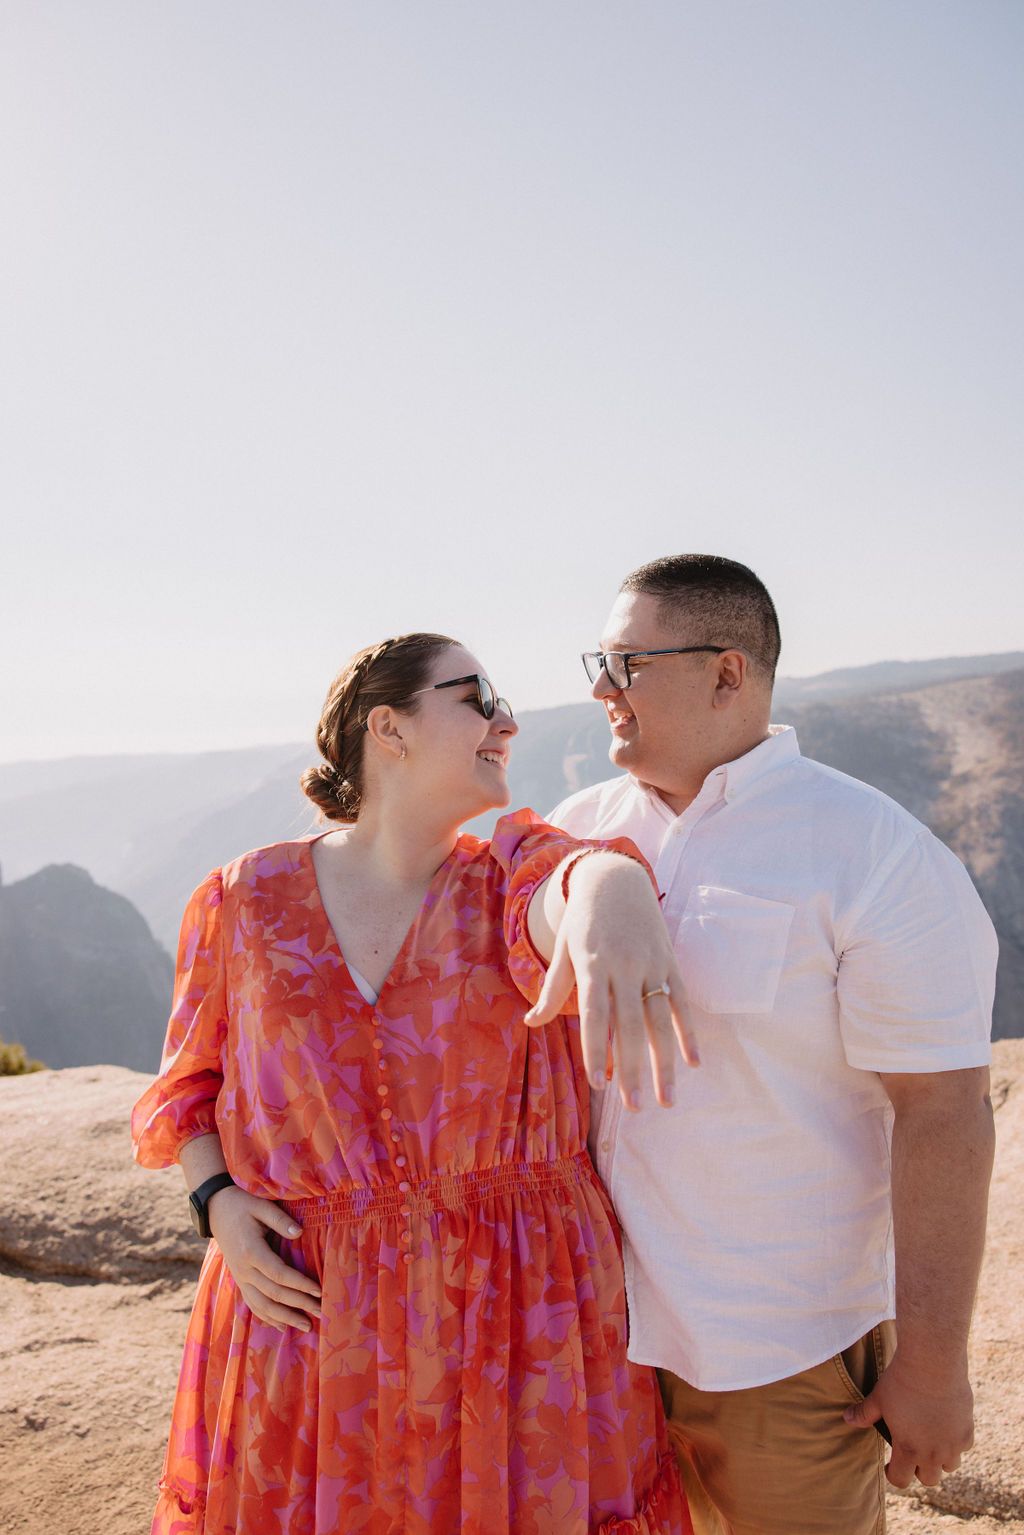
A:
[733,671]
[384,726]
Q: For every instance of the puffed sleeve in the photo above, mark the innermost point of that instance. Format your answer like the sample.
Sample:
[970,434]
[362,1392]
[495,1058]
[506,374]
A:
[181,1103]
[528,851]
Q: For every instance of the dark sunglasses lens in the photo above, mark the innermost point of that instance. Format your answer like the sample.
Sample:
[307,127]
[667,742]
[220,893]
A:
[506,707]
[485,693]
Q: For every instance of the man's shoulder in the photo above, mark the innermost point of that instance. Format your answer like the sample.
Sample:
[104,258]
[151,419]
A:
[837,793]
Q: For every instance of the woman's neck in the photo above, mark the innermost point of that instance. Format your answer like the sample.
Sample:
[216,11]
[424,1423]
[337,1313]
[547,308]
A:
[397,847]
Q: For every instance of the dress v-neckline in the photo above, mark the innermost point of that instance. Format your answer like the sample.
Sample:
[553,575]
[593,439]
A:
[331,937]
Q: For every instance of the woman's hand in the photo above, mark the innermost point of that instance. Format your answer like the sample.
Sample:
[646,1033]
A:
[610,939]
[273,1290]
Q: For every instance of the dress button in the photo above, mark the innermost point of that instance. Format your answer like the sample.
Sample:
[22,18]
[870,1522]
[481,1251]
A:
[400,1162]
[407,1257]
[403,1185]
[606,1145]
[406,1236]
[407,1209]
[395,1135]
[382,1064]
[378,1043]
[382,1090]
[386,1114]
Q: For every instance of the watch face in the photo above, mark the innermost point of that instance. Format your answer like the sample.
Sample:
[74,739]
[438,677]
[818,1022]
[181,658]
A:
[198,1214]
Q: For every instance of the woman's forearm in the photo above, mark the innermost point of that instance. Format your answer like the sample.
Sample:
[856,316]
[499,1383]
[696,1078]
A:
[200,1159]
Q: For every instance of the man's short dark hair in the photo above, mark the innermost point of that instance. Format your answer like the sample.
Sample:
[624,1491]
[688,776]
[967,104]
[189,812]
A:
[720,601]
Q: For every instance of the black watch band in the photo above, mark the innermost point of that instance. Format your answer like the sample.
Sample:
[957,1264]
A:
[200,1198]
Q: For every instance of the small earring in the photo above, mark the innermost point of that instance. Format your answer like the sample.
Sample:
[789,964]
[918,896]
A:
[402,758]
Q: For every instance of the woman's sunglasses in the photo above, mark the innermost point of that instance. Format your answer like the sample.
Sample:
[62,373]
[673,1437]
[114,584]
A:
[486,699]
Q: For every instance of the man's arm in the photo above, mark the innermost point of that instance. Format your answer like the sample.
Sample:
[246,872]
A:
[942,1146]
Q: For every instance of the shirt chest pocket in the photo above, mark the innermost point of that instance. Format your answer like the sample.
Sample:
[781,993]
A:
[731,949]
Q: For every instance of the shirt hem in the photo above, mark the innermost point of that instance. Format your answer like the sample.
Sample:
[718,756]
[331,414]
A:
[655,1359]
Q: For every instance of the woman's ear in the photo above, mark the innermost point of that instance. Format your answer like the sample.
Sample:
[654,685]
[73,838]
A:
[384,725]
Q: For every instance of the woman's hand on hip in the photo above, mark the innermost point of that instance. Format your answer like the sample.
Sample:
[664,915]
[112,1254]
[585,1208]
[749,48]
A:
[242,1225]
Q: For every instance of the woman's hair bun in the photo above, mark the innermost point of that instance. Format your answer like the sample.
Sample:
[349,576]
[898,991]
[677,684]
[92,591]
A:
[389,673]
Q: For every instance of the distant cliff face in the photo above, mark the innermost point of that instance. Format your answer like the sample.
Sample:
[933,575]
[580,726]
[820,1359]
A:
[82,979]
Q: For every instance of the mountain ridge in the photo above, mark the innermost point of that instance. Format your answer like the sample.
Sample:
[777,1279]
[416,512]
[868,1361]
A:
[949,748]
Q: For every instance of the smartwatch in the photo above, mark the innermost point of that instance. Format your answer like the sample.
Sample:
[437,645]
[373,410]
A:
[200,1198]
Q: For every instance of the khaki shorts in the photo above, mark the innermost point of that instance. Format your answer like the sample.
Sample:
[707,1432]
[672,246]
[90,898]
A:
[779,1459]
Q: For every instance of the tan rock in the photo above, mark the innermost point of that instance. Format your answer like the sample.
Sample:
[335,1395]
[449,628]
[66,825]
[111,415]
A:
[96,1284]
[73,1201]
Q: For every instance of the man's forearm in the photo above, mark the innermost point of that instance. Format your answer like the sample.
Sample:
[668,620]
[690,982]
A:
[942,1147]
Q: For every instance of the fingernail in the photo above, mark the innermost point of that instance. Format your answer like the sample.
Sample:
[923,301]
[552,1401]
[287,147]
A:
[294,1231]
[668,1095]
[634,1099]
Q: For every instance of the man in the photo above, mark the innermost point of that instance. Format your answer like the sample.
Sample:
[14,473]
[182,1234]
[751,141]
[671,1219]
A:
[838,969]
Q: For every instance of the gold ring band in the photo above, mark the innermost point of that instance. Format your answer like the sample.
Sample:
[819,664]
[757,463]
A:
[656,991]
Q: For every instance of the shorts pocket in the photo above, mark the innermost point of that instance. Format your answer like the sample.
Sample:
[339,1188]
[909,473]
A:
[847,1381]
[731,948]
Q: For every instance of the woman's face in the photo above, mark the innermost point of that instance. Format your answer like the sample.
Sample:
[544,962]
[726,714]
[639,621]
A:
[456,757]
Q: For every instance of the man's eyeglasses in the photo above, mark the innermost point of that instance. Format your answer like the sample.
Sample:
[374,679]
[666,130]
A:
[616,662]
[486,699]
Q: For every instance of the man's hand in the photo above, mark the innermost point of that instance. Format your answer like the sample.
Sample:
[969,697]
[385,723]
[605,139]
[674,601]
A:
[610,940]
[273,1290]
[931,1422]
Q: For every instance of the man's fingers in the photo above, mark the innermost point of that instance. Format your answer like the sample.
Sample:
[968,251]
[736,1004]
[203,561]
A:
[901,1468]
[684,1033]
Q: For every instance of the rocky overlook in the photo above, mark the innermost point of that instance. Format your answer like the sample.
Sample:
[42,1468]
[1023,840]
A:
[98,1266]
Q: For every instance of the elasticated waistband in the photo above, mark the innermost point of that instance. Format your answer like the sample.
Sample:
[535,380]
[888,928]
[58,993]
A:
[443,1191]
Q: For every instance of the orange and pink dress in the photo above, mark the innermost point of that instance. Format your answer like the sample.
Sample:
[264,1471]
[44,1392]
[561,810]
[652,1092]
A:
[469,1373]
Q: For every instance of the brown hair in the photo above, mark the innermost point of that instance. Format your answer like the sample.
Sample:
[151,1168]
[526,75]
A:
[388,673]
[729,604]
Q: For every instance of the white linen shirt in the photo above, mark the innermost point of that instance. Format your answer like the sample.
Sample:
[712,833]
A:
[824,935]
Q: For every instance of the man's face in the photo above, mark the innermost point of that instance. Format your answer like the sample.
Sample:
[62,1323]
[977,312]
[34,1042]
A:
[659,725]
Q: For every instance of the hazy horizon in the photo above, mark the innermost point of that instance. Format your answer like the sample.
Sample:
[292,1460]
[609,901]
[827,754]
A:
[306,741]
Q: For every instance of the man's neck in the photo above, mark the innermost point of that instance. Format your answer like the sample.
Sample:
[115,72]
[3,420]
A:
[682,791]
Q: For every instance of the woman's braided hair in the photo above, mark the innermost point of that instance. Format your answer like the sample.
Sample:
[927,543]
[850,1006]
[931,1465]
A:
[388,673]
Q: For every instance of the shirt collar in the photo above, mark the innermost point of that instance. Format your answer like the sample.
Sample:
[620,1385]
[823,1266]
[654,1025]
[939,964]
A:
[732,778]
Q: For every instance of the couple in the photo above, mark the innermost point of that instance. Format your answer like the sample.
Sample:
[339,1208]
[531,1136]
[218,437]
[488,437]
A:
[389,1119]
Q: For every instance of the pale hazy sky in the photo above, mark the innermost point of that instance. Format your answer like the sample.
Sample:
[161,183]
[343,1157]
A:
[323,321]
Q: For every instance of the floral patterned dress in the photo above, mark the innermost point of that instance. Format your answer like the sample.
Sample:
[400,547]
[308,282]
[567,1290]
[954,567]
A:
[469,1373]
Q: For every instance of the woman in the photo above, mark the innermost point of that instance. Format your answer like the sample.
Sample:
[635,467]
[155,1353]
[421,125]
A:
[347,1041]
